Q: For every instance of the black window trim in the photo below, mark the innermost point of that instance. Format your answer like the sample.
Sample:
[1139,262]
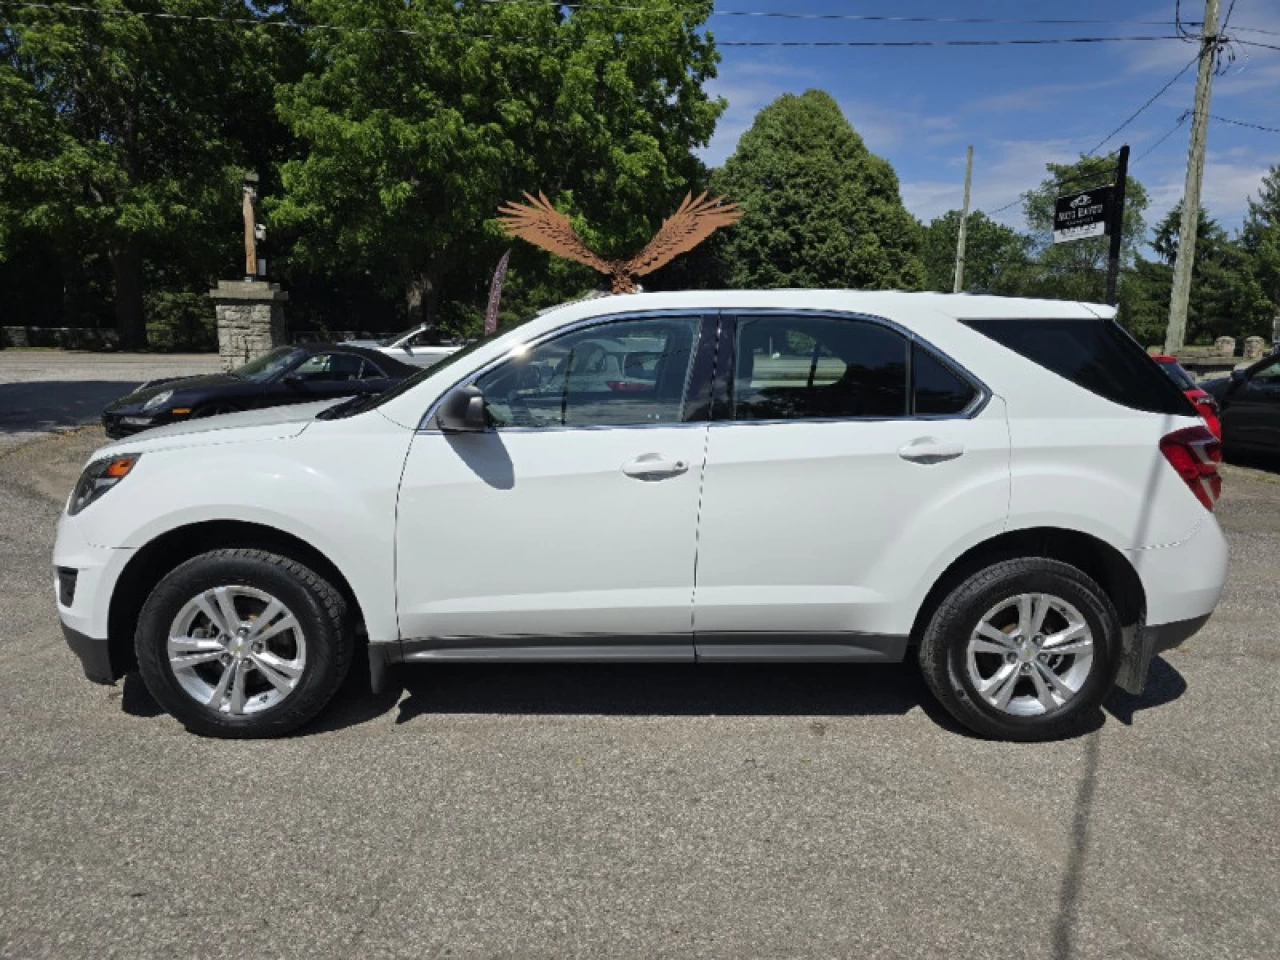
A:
[709,332]
[728,356]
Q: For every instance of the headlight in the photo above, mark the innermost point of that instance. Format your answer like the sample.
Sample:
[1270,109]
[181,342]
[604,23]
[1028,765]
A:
[158,401]
[99,477]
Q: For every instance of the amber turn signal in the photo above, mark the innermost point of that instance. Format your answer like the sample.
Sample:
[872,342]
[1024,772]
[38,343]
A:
[180,411]
[120,467]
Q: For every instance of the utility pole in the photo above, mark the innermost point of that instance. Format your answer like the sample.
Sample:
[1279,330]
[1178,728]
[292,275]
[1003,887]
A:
[1117,223]
[964,223]
[1177,330]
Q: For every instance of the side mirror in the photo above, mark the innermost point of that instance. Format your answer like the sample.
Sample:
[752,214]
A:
[463,411]
[1238,376]
[293,382]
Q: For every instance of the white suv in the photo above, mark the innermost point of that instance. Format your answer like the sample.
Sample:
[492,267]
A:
[1009,490]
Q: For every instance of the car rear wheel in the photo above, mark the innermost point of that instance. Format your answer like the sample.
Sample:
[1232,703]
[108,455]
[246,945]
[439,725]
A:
[243,643]
[1024,650]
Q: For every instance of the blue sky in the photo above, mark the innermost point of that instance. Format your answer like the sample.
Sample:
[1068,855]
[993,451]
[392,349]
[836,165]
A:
[1019,106]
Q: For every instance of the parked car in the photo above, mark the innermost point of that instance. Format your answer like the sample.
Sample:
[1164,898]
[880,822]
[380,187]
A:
[297,374]
[1202,399]
[1007,490]
[414,346]
[1250,402]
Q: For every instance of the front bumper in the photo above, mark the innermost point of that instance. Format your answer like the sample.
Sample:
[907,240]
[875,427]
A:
[100,663]
[117,426]
[85,608]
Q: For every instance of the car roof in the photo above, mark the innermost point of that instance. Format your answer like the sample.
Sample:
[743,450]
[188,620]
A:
[958,306]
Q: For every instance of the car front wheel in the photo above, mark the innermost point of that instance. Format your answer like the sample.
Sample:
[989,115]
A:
[1026,650]
[243,643]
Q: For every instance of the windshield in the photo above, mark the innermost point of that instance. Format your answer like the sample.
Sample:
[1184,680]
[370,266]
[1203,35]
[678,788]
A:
[397,337]
[409,383]
[266,366]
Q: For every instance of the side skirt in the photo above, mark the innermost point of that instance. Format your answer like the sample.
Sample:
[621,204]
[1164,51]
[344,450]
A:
[598,648]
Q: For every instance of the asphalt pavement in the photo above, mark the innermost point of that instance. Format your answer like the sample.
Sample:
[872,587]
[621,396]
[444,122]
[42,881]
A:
[635,811]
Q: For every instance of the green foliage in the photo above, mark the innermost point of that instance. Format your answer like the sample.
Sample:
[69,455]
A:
[1226,297]
[118,138]
[820,210]
[1078,270]
[411,142]
[996,257]
[1261,236]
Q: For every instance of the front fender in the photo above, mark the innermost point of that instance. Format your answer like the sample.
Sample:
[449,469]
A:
[332,487]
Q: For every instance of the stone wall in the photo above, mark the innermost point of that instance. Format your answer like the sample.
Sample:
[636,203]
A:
[250,320]
[68,338]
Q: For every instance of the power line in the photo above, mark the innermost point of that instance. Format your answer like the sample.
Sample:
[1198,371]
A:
[1257,43]
[1186,115]
[334,28]
[857,17]
[1137,113]
[1244,123]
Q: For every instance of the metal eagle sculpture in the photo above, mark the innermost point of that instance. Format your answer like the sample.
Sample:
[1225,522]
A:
[544,226]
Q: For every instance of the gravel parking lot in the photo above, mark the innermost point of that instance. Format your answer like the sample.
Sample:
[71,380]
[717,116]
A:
[610,811]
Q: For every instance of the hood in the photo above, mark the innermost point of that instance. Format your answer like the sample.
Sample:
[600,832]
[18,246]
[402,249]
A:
[270,423]
[176,384]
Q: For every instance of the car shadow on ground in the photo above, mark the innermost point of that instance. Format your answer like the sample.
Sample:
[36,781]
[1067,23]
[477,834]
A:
[50,404]
[792,689]
[704,690]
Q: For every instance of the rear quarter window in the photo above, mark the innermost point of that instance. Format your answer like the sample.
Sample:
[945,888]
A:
[1094,354]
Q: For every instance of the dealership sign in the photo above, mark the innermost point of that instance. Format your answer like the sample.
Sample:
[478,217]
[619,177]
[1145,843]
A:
[1082,215]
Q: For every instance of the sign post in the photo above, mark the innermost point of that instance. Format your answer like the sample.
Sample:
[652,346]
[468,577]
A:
[1117,224]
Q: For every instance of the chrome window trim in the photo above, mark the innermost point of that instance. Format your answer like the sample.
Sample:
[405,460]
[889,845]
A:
[584,323]
[982,393]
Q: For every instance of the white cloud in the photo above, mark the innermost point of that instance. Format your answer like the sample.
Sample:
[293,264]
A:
[1002,171]
[752,85]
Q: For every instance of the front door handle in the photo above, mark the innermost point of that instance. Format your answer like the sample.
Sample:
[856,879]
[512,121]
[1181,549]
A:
[930,450]
[653,466]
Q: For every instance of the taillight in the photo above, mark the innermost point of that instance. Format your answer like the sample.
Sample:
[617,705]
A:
[1195,453]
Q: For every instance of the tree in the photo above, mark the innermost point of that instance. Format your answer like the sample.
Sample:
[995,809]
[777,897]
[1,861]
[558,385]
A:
[411,141]
[996,256]
[1226,297]
[118,138]
[820,210]
[1077,269]
[1261,236]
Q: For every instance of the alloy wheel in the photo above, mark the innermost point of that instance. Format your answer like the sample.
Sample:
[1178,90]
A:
[236,650]
[1030,654]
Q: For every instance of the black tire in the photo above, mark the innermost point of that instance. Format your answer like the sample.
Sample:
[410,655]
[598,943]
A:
[321,612]
[945,641]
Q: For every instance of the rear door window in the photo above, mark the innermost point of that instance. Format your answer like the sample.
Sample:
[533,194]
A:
[1094,354]
[818,368]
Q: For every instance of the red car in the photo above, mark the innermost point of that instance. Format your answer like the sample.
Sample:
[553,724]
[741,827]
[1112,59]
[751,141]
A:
[1205,403]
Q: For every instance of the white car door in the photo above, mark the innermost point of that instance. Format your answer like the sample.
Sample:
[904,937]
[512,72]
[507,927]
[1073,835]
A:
[569,527]
[843,460]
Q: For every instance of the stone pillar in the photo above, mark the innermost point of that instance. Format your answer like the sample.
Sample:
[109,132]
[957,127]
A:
[1225,346]
[250,319]
[1254,348]
[1275,332]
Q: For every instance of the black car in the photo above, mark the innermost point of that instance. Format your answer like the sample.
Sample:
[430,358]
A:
[297,374]
[1250,401]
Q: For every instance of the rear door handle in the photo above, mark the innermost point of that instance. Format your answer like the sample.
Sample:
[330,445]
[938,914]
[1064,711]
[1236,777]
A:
[654,466]
[930,450]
